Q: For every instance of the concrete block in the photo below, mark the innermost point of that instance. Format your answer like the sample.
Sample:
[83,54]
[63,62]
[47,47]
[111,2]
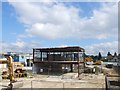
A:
[14,85]
[17,84]
[0,74]
[0,78]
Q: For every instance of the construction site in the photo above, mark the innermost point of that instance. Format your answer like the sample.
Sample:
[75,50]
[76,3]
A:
[60,68]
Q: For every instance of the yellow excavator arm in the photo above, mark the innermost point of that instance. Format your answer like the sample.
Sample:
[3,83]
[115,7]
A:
[9,62]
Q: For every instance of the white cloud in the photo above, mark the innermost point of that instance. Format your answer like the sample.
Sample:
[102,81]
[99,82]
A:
[92,49]
[19,46]
[64,0]
[0,47]
[55,20]
[104,48]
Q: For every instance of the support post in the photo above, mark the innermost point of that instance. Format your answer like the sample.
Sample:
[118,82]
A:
[71,67]
[33,55]
[84,60]
[78,69]
[47,56]
[78,65]
[53,56]
[41,57]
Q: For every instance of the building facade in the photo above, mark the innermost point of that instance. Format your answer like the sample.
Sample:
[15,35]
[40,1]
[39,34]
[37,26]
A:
[19,58]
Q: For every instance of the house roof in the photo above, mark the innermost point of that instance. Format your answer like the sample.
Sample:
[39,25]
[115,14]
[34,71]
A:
[60,49]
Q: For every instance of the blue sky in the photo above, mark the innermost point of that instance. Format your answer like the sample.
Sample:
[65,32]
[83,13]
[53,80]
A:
[10,23]
[91,25]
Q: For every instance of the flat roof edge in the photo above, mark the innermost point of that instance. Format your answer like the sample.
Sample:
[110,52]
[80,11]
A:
[60,49]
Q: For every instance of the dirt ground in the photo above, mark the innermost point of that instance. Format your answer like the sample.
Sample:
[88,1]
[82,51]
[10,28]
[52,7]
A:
[68,80]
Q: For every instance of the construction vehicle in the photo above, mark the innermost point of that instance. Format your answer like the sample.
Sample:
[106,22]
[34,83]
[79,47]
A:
[9,62]
[99,62]
[89,60]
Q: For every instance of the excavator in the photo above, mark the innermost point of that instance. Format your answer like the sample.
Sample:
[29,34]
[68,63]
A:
[9,62]
[89,59]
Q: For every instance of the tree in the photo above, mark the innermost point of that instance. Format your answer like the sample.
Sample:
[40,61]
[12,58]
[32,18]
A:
[92,56]
[108,54]
[95,58]
[115,54]
[99,56]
